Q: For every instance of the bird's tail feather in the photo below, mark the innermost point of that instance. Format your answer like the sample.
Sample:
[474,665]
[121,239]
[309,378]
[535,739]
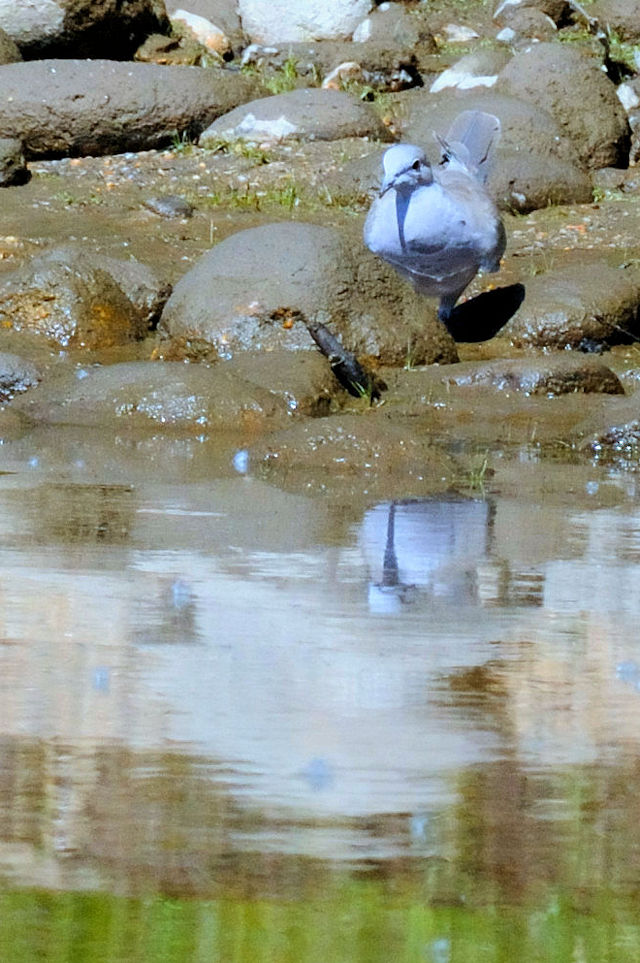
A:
[471,140]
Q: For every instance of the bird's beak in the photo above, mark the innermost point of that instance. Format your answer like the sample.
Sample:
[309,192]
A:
[387,183]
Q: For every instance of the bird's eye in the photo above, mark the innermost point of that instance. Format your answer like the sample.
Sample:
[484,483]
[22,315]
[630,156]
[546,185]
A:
[416,165]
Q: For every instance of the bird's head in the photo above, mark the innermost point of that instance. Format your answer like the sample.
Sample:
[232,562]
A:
[405,167]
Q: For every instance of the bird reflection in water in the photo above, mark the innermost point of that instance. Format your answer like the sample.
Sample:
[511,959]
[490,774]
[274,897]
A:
[428,547]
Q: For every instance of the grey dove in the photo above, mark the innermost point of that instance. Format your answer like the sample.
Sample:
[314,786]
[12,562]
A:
[437,225]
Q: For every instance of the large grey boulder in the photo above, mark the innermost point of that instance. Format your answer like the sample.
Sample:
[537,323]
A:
[155,395]
[83,28]
[298,20]
[579,304]
[568,84]
[76,107]
[526,128]
[253,290]
[307,114]
[534,163]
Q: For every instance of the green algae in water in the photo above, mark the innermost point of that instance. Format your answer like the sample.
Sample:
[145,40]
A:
[359,922]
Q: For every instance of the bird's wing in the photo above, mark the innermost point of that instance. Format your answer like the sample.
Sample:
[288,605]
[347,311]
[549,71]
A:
[455,155]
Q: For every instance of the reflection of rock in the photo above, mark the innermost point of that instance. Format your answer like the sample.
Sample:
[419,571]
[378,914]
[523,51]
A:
[79,514]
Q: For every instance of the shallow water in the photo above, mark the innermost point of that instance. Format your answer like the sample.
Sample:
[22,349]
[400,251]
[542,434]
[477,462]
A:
[242,724]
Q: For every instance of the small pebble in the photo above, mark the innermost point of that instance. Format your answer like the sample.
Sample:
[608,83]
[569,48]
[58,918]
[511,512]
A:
[171,205]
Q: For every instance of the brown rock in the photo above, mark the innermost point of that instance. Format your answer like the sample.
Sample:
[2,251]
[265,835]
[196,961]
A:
[75,107]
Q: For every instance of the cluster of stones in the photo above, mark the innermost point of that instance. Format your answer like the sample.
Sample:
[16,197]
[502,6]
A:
[95,78]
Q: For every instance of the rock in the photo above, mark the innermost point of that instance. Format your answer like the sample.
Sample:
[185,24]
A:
[9,51]
[569,84]
[527,24]
[634,150]
[491,414]
[612,433]
[13,167]
[527,182]
[352,455]
[83,28]
[356,182]
[526,129]
[622,17]
[508,37]
[610,179]
[575,304]
[303,381]
[252,291]
[348,71]
[559,11]
[205,32]
[477,69]
[180,49]
[550,374]
[382,65]
[393,24]
[222,13]
[139,283]
[169,205]
[16,375]
[62,107]
[284,21]
[155,395]
[306,114]
[629,96]
[458,33]
[487,384]
[533,165]
[73,297]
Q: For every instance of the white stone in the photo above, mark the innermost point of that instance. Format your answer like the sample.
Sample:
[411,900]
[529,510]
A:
[362,33]
[252,129]
[627,96]
[349,70]
[461,79]
[203,30]
[293,21]
[506,3]
[458,33]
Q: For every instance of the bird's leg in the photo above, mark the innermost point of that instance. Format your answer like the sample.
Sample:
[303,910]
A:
[447,301]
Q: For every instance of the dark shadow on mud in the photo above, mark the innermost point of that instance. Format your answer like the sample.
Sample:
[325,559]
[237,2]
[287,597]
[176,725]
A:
[482,317]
